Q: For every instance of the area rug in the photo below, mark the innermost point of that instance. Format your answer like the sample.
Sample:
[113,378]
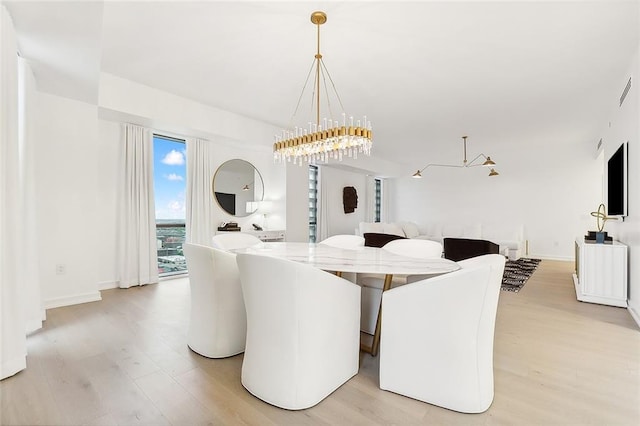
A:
[517,272]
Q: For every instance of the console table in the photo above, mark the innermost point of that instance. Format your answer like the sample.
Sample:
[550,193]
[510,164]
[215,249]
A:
[266,236]
[601,273]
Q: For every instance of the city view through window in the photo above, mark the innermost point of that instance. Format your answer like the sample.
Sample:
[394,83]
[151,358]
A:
[169,185]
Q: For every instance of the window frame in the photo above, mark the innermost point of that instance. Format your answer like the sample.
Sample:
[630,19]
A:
[377,200]
[163,227]
[313,202]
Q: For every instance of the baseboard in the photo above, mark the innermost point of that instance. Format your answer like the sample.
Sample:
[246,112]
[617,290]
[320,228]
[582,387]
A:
[33,325]
[634,314]
[550,257]
[107,285]
[58,302]
[12,366]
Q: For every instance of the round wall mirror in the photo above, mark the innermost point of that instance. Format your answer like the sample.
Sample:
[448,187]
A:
[238,187]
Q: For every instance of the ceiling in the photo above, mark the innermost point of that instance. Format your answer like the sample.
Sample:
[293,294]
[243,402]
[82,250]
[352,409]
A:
[425,73]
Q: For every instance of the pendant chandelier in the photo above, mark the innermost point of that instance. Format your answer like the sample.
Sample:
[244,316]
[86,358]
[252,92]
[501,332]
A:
[331,138]
[488,162]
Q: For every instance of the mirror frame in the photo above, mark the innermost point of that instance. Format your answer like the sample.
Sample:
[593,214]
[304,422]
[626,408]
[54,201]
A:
[255,199]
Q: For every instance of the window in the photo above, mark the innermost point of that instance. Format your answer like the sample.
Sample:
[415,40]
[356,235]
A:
[377,211]
[313,203]
[169,186]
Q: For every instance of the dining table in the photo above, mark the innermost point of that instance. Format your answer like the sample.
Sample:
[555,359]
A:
[368,260]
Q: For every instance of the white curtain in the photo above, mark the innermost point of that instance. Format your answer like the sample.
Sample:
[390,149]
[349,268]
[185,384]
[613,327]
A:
[370,199]
[137,256]
[322,230]
[13,342]
[199,221]
[384,202]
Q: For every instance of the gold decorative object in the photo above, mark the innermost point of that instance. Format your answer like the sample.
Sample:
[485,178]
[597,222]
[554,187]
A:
[331,138]
[601,214]
[488,162]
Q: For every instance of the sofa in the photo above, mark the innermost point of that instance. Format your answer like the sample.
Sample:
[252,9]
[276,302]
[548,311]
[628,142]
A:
[457,249]
[509,238]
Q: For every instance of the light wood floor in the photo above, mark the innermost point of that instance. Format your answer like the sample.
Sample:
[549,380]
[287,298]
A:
[125,361]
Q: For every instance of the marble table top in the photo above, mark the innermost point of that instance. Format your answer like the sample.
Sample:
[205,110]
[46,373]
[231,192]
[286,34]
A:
[363,259]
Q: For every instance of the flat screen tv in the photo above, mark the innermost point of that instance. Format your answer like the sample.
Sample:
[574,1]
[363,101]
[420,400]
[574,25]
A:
[617,182]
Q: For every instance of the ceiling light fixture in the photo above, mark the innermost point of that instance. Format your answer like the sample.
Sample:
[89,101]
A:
[488,162]
[331,138]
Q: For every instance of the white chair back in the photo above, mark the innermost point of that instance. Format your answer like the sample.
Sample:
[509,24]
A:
[344,241]
[417,248]
[234,240]
[372,284]
[437,337]
[303,337]
[218,322]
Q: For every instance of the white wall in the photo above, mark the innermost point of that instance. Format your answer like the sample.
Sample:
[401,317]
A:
[297,202]
[624,125]
[67,176]
[297,193]
[108,145]
[110,138]
[234,136]
[548,188]
[333,180]
[120,98]
[32,295]
[76,160]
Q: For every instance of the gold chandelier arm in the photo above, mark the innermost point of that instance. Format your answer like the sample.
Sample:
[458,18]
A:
[324,73]
[304,87]
[418,174]
[333,86]
[470,164]
[440,165]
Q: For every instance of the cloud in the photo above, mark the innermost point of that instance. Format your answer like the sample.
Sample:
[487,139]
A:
[176,206]
[173,176]
[174,209]
[174,158]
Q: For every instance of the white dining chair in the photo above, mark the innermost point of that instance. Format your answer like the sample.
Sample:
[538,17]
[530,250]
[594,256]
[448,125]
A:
[438,335]
[234,240]
[372,284]
[417,248]
[344,241]
[303,338]
[217,322]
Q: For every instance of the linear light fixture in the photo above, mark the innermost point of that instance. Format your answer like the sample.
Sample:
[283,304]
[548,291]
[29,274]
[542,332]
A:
[488,162]
[331,138]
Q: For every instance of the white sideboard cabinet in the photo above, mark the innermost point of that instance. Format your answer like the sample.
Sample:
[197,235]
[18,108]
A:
[601,273]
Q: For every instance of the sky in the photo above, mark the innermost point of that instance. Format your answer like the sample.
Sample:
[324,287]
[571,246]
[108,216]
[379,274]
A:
[169,177]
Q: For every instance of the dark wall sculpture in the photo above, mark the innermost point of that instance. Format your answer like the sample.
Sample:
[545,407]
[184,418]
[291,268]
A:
[349,199]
